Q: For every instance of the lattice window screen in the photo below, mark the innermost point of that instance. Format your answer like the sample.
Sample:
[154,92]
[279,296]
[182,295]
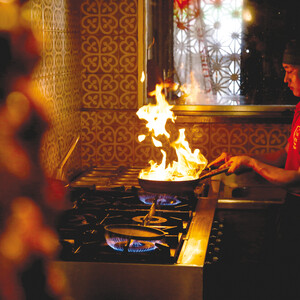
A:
[207,42]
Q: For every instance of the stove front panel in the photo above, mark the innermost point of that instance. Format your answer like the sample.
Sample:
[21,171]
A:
[173,271]
[91,280]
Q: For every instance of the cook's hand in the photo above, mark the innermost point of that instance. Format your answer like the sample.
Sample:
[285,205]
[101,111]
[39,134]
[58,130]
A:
[238,164]
[221,160]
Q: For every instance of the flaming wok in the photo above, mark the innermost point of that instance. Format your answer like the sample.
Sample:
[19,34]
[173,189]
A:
[180,186]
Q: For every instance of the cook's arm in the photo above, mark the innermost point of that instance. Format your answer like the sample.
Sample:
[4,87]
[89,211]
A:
[289,179]
[276,158]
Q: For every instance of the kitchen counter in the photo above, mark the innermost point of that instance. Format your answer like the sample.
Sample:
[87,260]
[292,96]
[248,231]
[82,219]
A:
[248,206]
[121,279]
[248,191]
[182,280]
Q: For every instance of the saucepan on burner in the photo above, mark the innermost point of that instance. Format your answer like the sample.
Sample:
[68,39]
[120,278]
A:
[179,186]
[133,238]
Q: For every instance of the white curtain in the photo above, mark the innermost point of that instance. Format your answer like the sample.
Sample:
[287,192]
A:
[191,53]
[207,50]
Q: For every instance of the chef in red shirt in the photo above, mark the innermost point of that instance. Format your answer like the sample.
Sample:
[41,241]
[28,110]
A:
[281,167]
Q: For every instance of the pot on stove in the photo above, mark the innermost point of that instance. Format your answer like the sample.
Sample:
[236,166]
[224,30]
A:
[177,186]
[133,238]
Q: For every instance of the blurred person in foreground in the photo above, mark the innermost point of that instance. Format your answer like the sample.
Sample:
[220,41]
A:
[281,168]
[28,203]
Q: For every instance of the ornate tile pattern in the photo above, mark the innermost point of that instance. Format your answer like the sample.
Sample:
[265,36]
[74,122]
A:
[109,67]
[109,47]
[109,125]
[248,138]
[88,76]
[57,23]
[89,138]
[198,136]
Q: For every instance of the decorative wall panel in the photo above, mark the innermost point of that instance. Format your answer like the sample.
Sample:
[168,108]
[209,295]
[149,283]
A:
[109,68]
[57,23]
[88,77]
[248,138]
[110,127]
[89,141]
[109,47]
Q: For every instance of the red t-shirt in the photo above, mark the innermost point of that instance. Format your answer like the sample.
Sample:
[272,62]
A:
[293,156]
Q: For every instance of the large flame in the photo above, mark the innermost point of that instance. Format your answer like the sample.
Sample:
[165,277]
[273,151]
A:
[193,94]
[189,164]
[157,115]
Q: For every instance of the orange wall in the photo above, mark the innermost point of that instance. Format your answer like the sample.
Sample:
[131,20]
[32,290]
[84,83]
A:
[88,74]
[58,77]
[109,123]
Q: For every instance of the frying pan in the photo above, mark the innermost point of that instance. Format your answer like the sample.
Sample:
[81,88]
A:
[132,238]
[171,187]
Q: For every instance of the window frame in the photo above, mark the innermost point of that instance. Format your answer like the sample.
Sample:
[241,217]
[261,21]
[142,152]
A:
[209,113]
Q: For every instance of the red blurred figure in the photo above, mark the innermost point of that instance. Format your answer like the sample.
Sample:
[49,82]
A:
[28,202]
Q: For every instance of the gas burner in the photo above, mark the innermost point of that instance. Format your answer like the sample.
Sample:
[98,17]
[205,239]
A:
[109,225]
[135,245]
[132,238]
[152,221]
[73,219]
[160,199]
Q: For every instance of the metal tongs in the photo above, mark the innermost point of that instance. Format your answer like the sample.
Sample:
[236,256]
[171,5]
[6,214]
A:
[213,172]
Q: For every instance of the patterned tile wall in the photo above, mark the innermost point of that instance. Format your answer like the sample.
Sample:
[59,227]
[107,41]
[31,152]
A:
[109,123]
[110,52]
[88,76]
[236,138]
[57,23]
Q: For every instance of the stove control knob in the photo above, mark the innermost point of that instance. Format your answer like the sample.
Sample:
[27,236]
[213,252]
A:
[215,239]
[210,259]
[218,240]
[215,259]
[216,249]
[214,230]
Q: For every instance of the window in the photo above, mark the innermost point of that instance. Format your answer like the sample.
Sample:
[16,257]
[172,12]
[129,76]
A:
[220,52]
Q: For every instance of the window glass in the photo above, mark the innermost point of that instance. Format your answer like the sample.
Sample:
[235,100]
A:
[220,52]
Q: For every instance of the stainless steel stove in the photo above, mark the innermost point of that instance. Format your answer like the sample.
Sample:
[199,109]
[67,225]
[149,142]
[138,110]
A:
[82,230]
[101,267]
[212,238]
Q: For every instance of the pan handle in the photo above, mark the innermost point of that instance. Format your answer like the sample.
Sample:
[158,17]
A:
[150,214]
[213,173]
